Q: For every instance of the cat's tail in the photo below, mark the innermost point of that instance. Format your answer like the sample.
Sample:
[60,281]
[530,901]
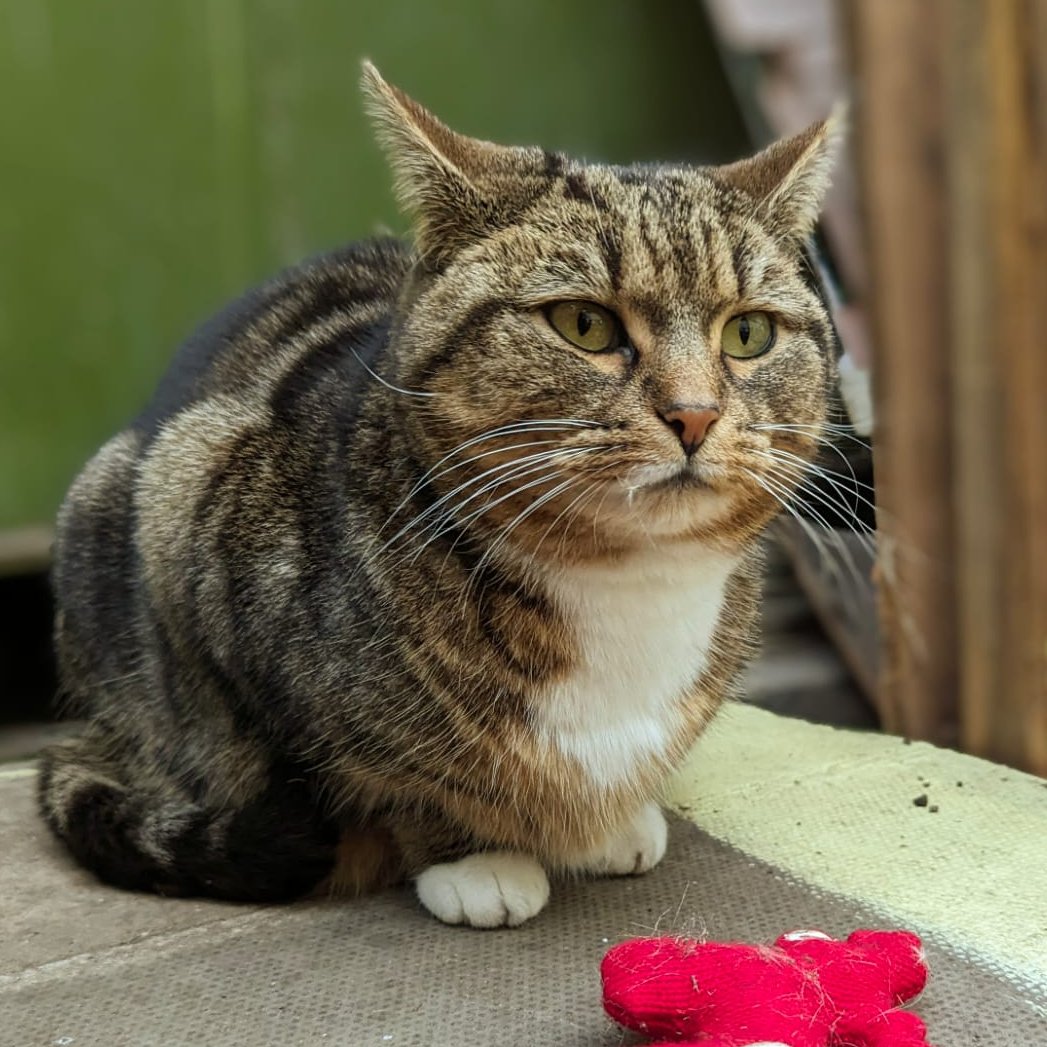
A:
[274,848]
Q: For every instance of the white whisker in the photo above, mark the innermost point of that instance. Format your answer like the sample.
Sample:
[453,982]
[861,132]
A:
[389,385]
[784,496]
[812,431]
[542,425]
[563,512]
[501,467]
[816,539]
[815,467]
[444,520]
[802,472]
[451,519]
[503,535]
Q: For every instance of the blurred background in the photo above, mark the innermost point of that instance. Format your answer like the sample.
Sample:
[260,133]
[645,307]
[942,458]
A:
[158,159]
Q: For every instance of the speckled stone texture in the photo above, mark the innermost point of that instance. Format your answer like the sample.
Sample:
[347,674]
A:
[85,966]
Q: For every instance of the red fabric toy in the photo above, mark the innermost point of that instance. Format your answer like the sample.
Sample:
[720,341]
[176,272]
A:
[807,990]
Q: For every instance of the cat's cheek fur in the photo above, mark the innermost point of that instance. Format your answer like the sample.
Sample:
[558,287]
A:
[491,889]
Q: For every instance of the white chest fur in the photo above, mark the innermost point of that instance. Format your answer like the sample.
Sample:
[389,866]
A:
[644,629]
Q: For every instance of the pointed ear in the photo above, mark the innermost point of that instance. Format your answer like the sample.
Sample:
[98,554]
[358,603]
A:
[790,178]
[446,181]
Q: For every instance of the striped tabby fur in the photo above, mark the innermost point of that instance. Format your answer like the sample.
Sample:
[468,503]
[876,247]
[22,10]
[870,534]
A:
[390,580]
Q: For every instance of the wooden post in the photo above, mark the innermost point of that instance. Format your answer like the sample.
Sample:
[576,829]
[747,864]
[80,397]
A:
[997,80]
[898,118]
[951,128]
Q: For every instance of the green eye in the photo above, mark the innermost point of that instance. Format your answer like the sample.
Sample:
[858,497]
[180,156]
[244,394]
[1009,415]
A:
[586,325]
[748,335]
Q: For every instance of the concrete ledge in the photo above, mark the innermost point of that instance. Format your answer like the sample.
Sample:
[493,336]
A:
[51,910]
[951,845]
[800,826]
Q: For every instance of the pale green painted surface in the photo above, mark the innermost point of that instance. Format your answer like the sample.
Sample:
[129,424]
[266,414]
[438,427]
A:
[834,809]
[157,158]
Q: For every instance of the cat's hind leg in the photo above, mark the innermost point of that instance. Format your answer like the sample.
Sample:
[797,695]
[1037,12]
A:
[158,837]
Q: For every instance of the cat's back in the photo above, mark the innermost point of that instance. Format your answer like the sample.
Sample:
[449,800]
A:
[271,340]
[265,359]
[258,381]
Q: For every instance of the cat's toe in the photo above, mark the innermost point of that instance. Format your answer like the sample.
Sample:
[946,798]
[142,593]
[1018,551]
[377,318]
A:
[638,847]
[496,889]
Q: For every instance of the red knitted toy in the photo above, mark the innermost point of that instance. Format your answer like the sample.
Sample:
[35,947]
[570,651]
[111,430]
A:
[807,990]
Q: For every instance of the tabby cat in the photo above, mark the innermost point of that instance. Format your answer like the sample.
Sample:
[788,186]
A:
[430,562]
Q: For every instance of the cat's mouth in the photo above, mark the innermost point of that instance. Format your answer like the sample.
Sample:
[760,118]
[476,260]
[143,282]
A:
[684,480]
[692,476]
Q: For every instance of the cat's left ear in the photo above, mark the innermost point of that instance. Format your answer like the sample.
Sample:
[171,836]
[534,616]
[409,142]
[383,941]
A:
[449,183]
[790,178]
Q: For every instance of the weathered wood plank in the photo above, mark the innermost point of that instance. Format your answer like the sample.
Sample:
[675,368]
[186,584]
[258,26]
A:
[898,115]
[997,161]
[1005,707]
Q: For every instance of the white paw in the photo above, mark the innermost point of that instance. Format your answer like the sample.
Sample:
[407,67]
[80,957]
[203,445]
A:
[638,847]
[496,889]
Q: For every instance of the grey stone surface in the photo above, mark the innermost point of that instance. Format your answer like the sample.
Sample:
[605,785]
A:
[87,966]
[51,910]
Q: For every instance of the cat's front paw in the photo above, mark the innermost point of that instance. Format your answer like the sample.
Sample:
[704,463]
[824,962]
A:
[636,848]
[496,889]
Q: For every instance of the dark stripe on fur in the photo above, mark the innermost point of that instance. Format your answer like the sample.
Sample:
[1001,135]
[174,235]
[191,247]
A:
[740,261]
[275,848]
[470,325]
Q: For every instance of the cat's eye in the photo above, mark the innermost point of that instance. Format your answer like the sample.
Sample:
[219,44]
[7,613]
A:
[747,335]
[586,325]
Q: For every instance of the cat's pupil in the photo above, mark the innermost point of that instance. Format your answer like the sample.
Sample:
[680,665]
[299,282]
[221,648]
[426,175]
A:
[743,330]
[584,323]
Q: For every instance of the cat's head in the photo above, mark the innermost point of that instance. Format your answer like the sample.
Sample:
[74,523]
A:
[608,355]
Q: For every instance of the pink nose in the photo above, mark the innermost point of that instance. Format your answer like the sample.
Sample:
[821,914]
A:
[691,423]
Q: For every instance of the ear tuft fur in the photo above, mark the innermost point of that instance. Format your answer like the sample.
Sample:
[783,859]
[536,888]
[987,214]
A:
[404,127]
[442,179]
[789,179]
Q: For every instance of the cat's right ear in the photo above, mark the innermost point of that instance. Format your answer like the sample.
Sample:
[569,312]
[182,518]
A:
[789,179]
[441,178]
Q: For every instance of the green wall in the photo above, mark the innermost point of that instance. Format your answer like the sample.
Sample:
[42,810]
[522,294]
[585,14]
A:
[158,157]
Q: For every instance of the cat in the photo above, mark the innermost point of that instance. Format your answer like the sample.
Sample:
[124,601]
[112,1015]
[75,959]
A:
[429,562]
